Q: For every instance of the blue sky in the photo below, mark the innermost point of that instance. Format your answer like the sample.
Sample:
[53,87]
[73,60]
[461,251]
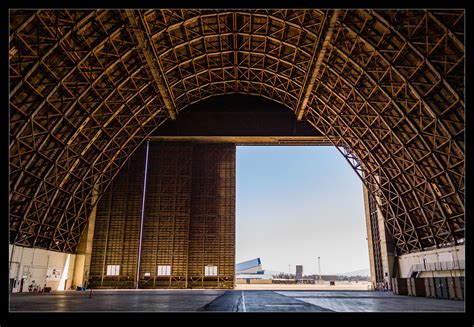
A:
[295,203]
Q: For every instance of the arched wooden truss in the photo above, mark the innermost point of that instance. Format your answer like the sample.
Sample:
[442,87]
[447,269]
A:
[386,87]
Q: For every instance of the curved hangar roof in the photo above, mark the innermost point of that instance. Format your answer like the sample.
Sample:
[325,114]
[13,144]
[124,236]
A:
[386,88]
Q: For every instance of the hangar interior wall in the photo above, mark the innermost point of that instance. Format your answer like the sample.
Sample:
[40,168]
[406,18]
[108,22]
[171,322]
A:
[443,262]
[117,226]
[188,237]
[41,267]
[167,214]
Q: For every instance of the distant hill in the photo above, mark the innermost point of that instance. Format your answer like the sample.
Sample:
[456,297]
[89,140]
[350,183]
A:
[360,272]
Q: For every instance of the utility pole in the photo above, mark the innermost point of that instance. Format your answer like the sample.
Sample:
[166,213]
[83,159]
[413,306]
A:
[319,265]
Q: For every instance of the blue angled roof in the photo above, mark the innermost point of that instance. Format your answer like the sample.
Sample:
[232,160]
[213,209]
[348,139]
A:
[248,264]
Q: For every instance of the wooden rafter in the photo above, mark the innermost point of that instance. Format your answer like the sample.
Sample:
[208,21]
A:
[321,54]
[148,51]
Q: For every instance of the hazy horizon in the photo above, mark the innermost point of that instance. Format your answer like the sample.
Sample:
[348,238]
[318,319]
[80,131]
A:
[295,203]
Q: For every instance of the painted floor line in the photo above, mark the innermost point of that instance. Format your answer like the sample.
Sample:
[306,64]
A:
[243,302]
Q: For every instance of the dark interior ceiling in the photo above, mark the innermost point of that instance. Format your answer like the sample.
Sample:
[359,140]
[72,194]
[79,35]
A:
[236,115]
[386,87]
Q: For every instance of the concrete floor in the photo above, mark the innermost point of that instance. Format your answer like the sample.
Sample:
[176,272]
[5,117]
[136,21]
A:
[225,301]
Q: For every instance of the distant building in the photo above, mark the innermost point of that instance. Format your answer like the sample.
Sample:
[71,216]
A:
[251,271]
[299,272]
[253,266]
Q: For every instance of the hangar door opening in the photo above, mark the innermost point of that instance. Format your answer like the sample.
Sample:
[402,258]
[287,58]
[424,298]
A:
[300,217]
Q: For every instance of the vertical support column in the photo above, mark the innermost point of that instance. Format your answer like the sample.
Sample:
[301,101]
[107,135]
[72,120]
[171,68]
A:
[370,237]
[167,211]
[142,215]
[117,227]
[386,247]
[83,257]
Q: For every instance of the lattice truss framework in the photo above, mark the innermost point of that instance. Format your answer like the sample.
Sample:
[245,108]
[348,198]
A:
[386,87]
